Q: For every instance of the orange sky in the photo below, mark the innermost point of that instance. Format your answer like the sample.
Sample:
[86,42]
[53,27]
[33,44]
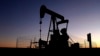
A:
[24,43]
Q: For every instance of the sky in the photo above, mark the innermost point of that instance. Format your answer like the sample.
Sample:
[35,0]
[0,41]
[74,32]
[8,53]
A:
[20,19]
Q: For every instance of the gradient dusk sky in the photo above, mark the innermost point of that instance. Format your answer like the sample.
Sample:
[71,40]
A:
[20,18]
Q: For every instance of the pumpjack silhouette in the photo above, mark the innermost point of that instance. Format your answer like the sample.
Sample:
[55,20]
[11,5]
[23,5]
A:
[54,40]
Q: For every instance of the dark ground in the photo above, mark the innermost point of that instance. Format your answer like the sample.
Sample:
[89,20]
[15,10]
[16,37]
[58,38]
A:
[50,52]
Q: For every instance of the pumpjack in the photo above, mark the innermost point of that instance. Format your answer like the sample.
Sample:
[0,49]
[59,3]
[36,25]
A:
[55,31]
